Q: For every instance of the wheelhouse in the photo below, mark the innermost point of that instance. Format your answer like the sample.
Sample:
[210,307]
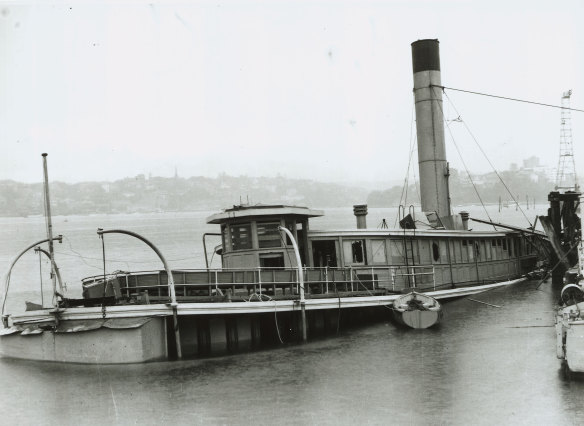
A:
[250,236]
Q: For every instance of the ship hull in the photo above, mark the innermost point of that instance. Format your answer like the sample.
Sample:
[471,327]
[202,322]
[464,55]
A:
[142,333]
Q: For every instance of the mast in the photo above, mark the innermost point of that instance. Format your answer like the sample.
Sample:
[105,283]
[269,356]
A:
[430,128]
[566,178]
[50,229]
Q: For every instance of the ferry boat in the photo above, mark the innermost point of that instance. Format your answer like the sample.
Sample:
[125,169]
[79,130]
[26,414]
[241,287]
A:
[281,280]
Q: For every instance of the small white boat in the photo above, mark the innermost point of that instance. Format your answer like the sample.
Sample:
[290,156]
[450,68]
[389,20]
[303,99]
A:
[570,336]
[417,310]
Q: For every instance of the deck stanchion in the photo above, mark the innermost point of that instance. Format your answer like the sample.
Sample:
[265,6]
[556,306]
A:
[171,291]
[300,281]
[7,282]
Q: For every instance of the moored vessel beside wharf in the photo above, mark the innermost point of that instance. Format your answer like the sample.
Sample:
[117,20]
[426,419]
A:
[280,280]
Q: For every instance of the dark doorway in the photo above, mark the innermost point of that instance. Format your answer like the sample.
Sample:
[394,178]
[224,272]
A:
[324,253]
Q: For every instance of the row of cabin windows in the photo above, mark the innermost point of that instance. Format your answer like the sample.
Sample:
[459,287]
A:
[429,251]
[418,252]
[268,235]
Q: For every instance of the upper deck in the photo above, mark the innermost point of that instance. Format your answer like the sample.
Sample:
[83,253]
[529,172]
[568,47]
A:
[251,238]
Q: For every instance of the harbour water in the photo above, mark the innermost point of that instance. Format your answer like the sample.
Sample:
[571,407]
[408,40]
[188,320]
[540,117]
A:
[489,363]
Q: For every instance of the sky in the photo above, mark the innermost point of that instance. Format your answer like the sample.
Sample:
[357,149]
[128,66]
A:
[305,89]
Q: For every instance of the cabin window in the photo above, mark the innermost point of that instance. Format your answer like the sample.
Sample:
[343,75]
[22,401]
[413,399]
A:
[425,251]
[519,247]
[241,236]
[354,252]
[378,252]
[470,248]
[505,251]
[411,251]
[443,251]
[397,252]
[435,252]
[495,250]
[268,235]
[528,246]
[464,251]
[455,251]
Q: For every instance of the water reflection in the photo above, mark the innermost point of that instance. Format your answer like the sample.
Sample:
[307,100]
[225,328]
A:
[481,365]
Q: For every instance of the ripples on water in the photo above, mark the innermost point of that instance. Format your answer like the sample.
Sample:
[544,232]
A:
[481,365]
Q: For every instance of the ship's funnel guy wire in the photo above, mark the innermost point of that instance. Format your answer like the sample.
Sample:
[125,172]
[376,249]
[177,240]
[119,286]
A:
[487,158]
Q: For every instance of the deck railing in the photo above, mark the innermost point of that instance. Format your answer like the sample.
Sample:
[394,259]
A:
[271,282]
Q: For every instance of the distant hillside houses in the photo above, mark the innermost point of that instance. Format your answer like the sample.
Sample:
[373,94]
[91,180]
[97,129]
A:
[160,194]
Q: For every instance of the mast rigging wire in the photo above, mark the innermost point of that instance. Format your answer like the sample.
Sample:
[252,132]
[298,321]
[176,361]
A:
[506,98]
[403,198]
[463,163]
[487,158]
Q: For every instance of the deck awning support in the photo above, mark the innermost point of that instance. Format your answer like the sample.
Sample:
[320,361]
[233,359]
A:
[7,282]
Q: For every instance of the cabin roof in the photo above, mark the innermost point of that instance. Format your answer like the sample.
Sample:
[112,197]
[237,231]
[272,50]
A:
[262,210]
[409,232]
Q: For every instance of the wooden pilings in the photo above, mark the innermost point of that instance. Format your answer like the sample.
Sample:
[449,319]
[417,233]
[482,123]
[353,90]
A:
[210,335]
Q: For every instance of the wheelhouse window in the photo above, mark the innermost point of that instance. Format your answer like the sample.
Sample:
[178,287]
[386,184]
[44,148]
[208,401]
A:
[272,260]
[241,236]
[224,236]
[268,235]
[354,252]
[291,226]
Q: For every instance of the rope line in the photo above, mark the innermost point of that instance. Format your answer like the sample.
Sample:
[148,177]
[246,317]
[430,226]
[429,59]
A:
[260,297]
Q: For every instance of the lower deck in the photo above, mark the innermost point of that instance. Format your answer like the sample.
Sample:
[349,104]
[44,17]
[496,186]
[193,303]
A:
[147,332]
